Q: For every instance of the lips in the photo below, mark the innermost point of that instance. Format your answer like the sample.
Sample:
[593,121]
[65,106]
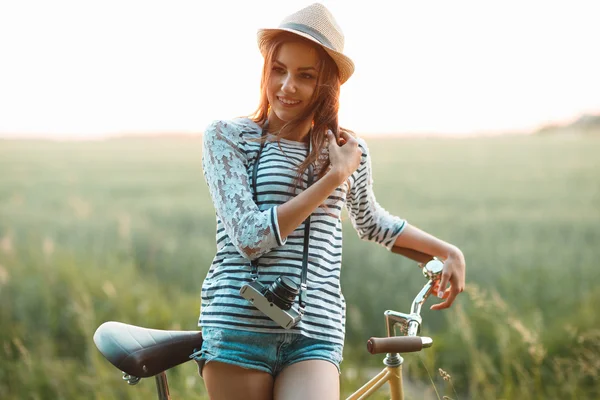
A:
[288,102]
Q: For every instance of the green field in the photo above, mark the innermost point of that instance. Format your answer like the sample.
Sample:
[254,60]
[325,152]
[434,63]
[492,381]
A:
[124,229]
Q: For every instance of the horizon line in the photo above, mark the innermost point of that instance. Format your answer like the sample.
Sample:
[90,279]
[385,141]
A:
[53,136]
[189,135]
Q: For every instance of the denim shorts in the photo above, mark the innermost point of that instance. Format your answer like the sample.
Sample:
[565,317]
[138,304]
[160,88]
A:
[268,352]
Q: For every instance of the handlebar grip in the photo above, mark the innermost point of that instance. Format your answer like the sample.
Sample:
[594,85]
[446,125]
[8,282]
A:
[397,344]
[414,255]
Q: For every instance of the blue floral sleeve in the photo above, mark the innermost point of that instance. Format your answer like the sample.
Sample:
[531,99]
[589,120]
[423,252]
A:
[253,232]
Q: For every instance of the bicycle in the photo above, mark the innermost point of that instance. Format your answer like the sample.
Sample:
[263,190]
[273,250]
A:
[142,353]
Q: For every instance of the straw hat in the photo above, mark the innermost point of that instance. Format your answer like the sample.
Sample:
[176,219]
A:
[316,24]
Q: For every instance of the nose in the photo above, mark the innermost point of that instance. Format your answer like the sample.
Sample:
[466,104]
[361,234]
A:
[288,85]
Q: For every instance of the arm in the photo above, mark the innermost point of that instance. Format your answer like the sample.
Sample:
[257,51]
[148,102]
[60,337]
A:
[344,160]
[293,212]
[252,232]
[374,223]
[454,261]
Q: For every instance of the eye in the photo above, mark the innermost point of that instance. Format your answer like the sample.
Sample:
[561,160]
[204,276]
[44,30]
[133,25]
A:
[308,76]
[277,69]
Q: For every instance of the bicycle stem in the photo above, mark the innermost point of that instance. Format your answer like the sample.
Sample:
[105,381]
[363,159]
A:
[410,323]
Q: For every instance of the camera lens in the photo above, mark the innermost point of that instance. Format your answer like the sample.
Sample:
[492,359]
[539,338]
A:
[282,292]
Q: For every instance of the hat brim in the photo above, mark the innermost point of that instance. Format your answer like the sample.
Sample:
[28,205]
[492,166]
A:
[344,63]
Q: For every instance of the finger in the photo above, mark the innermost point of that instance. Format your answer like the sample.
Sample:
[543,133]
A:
[446,293]
[331,137]
[443,284]
[457,282]
[440,306]
[347,137]
[437,290]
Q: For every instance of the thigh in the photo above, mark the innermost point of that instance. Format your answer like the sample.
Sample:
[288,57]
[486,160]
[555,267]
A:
[249,350]
[230,382]
[310,379]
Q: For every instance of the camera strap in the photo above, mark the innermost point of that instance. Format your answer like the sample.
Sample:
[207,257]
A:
[254,263]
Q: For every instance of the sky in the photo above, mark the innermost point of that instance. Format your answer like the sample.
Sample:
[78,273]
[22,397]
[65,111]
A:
[86,69]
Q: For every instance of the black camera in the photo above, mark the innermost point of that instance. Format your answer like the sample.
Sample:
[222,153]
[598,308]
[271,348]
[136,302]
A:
[275,300]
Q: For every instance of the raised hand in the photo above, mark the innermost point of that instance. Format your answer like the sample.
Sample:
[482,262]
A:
[344,155]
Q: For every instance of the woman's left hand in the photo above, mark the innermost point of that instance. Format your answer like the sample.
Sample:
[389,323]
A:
[453,273]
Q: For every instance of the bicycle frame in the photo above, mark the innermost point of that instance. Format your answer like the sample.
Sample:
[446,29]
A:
[390,374]
[162,386]
[123,345]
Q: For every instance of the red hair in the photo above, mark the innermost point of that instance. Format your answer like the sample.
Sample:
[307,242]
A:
[324,104]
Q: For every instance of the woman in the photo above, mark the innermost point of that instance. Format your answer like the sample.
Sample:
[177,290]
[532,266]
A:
[272,222]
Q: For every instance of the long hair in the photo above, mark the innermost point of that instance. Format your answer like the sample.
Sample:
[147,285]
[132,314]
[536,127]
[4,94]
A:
[324,103]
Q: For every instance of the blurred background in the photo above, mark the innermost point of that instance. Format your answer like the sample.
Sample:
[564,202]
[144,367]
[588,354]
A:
[483,120]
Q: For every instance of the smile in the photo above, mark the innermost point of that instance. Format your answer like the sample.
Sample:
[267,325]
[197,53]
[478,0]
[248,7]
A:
[288,102]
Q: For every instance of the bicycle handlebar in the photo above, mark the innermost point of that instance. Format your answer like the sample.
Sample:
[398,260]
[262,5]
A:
[409,323]
[398,344]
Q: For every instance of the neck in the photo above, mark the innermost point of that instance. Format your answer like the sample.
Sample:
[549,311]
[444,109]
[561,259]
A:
[301,134]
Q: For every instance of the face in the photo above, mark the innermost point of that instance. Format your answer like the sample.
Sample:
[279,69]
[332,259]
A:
[292,82]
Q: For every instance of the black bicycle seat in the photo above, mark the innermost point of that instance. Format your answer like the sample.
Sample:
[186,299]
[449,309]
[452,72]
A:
[143,352]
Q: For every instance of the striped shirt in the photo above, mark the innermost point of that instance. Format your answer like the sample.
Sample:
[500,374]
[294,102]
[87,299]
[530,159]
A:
[248,230]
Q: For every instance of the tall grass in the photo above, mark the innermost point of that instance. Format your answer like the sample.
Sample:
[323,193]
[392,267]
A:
[124,230]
